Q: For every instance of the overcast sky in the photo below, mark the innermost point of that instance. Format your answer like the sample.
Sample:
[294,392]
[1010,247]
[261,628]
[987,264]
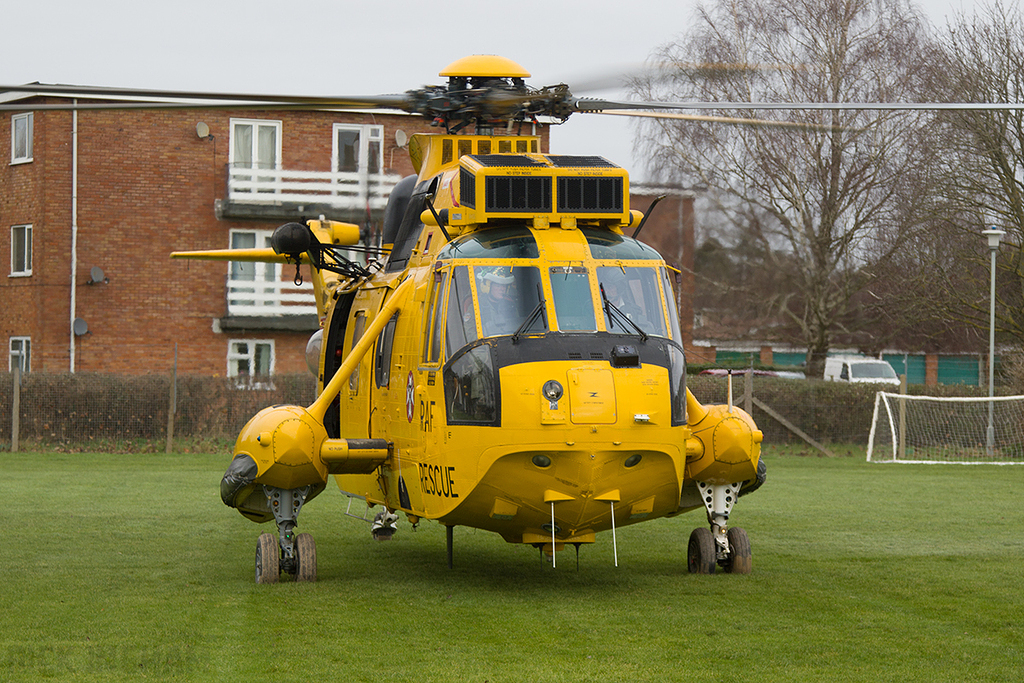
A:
[339,47]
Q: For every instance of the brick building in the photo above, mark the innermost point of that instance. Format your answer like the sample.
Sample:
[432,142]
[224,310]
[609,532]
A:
[670,229]
[94,202]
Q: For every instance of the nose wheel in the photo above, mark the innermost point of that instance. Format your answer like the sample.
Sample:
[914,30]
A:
[270,563]
[728,547]
[268,559]
[287,552]
[739,560]
[700,552]
[703,553]
[306,547]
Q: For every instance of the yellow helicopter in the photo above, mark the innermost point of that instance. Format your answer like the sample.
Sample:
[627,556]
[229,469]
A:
[514,363]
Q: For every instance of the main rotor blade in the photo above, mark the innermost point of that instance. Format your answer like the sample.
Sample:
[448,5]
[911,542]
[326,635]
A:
[718,119]
[622,75]
[585,104]
[173,99]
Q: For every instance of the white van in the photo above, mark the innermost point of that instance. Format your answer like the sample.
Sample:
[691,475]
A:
[841,369]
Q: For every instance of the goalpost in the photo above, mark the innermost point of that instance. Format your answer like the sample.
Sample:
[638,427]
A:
[931,429]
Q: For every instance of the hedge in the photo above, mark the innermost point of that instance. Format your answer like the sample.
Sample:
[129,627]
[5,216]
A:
[104,409]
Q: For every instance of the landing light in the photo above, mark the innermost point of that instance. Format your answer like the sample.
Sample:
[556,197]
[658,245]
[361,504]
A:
[633,460]
[552,390]
[542,461]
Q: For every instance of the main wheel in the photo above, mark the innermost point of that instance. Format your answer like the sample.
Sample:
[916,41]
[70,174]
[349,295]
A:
[700,552]
[268,559]
[739,551]
[305,547]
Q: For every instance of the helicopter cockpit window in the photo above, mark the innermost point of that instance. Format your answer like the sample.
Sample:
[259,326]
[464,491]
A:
[469,388]
[357,333]
[382,362]
[508,298]
[574,305]
[461,319]
[672,306]
[503,243]
[634,292]
[432,341]
[609,245]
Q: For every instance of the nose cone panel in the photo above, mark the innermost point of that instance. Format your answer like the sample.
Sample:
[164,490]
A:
[734,441]
[293,443]
[591,396]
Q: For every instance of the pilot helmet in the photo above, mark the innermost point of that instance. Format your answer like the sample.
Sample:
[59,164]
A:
[499,275]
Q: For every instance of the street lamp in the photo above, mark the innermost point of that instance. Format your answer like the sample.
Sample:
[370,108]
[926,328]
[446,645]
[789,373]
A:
[993,235]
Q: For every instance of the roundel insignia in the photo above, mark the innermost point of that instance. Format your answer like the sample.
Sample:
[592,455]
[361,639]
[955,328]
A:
[410,390]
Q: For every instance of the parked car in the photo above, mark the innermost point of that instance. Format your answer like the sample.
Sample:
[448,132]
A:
[869,370]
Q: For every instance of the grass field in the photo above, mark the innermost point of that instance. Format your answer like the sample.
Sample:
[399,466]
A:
[128,567]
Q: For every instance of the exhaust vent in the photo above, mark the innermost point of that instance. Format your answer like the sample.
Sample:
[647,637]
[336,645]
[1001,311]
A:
[467,188]
[513,194]
[589,195]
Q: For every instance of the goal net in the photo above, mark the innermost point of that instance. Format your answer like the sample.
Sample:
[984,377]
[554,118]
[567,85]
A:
[931,429]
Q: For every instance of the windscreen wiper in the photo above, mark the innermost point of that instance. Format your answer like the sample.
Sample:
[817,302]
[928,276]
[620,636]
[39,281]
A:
[537,310]
[612,311]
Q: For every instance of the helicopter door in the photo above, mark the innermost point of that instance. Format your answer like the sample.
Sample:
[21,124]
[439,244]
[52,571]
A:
[432,329]
[355,401]
[382,359]
[461,318]
[333,356]
[358,326]
[427,397]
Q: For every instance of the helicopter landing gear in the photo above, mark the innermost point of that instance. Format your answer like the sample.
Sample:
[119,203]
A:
[700,552]
[729,548]
[268,559]
[305,547]
[739,560]
[289,553]
[385,524]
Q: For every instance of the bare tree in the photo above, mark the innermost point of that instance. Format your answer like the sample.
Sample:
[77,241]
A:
[833,188]
[981,178]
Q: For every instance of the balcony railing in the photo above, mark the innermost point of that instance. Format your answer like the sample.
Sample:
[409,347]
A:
[340,190]
[265,298]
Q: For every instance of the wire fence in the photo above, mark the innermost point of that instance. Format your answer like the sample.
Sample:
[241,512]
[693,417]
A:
[87,411]
[97,411]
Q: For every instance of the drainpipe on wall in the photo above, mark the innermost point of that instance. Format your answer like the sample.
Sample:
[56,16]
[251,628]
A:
[74,228]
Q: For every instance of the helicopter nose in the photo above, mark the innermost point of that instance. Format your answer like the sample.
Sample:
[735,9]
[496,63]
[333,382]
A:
[284,441]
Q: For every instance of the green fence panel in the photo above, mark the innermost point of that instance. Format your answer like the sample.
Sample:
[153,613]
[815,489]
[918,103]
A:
[912,366]
[789,359]
[958,370]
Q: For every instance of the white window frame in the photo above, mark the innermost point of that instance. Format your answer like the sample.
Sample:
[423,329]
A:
[251,380]
[253,163]
[367,133]
[255,124]
[265,274]
[24,354]
[28,121]
[25,268]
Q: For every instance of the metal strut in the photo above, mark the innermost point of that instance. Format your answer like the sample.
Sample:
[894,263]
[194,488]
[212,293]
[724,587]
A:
[718,500]
[286,504]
